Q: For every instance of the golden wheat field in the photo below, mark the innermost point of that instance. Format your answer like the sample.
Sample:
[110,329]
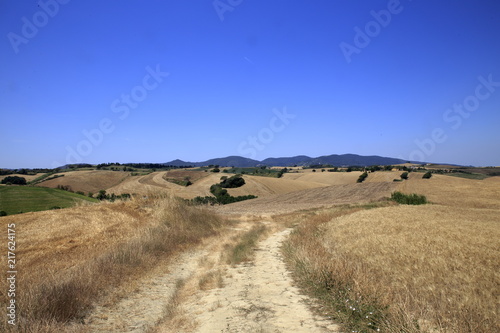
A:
[433,268]
[438,263]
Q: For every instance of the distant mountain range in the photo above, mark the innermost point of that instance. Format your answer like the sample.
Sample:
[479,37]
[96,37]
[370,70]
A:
[301,160]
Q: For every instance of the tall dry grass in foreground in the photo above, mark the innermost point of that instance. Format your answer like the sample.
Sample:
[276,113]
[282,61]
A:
[69,259]
[402,269]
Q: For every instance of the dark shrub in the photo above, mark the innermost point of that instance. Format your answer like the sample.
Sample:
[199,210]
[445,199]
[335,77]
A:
[362,177]
[233,182]
[408,199]
[15,180]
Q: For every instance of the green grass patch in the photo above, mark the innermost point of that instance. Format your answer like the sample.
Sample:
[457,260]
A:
[478,176]
[41,178]
[267,172]
[185,182]
[244,249]
[408,199]
[23,199]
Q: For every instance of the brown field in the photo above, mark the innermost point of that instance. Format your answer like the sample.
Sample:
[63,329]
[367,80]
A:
[87,181]
[181,175]
[155,182]
[312,198]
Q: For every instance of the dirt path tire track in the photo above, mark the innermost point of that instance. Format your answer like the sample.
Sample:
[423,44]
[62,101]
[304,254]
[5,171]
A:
[146,306]
[257,297]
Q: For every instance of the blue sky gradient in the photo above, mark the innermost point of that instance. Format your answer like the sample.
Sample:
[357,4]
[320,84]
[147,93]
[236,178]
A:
[152,81]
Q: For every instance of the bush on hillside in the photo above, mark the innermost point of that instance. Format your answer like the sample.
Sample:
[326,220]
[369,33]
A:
[404,175]
[233,182]
[362,177]
[14,180]
[408,199]
[427,175]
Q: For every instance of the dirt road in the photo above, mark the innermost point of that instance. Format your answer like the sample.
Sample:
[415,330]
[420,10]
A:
[256,296]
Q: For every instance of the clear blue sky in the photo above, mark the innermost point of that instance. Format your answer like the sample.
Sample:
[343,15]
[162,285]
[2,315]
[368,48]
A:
[152,81]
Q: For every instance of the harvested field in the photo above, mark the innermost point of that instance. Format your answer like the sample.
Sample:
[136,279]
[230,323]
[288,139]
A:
[454,191]
[340,178]
[266,186]
[87,181]
[155,182]
[181,175]
[312,198]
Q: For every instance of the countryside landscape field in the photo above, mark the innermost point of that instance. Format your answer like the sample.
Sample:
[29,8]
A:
[233,166]
[316,251]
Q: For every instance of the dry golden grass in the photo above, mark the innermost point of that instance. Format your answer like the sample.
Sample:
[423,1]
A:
[438,264]
[455,191]
[87,181]
[428,268]
[68,259]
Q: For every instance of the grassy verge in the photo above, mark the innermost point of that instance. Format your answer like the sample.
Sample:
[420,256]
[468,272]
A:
[244,248]
[478,176]
[22,199]
[51,300]
[329,279]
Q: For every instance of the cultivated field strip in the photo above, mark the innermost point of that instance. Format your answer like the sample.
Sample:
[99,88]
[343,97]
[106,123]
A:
[312,198]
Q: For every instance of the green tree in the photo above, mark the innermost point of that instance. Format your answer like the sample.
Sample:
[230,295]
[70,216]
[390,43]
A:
[15,180]
[427,175]
[362,177]
[102,195]
[233,182]
[404,175]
